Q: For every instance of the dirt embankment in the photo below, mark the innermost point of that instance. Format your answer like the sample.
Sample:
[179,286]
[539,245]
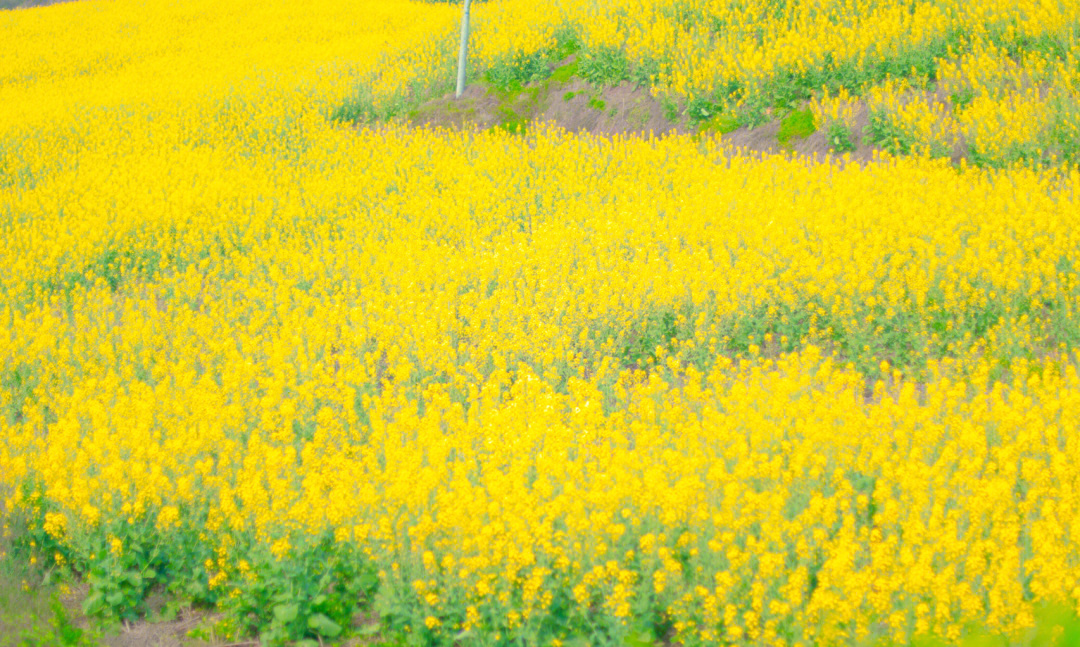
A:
[572,104]
[624,109]
[765,139]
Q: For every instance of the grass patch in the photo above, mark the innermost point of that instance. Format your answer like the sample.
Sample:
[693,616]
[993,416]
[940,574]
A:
[796,124]
[566,72]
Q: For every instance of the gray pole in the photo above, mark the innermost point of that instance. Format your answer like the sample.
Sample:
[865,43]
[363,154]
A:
[463,54]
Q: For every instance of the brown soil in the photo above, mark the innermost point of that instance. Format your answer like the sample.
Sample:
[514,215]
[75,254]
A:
[170,633]
[573,105]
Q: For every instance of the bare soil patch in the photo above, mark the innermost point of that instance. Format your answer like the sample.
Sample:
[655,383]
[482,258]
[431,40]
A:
[573,105]
[160,633]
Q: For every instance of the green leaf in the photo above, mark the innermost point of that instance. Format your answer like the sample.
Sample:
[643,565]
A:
[369,581]
[638,639]
[114,599]
[323,626]
[286,613]
[92,604]
[371,629]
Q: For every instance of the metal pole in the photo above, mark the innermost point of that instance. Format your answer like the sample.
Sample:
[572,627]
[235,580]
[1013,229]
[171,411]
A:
[464,53]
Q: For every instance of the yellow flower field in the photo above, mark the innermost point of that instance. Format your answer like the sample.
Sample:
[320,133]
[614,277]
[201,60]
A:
[519,389]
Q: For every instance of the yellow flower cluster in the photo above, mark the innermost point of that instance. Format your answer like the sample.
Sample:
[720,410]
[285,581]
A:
[766,399]
[996,105]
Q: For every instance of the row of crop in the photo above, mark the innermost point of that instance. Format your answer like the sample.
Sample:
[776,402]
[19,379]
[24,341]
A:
[352,335]
[779,507]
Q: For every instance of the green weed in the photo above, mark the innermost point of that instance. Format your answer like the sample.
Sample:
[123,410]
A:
[566,72]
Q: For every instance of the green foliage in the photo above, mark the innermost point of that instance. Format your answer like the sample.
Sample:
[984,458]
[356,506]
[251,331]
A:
[18,383]
[566,72]
[122,559]
[31,612]
[961,99]
[66,632]
[885,133]
[313,592]
[753,113]
[567,42]
[839,136]
[659,329]
[722,123]
[670,107]
[512,74]
[701,109]
[515,108]
[114,267]
[605,66]
[646,72]
[364,107]
[34,624]
[797,123]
